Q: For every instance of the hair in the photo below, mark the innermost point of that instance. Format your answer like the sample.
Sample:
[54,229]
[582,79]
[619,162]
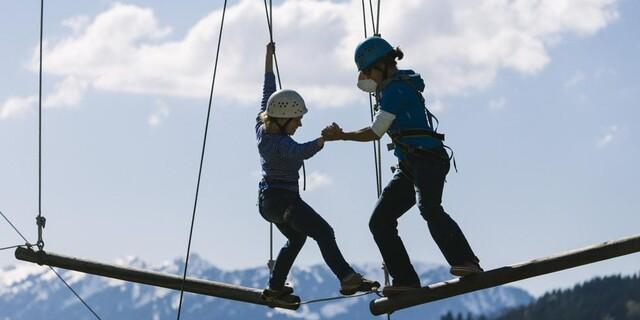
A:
[390,59]
[270,123]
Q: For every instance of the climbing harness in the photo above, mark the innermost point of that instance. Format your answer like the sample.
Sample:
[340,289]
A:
[397,136]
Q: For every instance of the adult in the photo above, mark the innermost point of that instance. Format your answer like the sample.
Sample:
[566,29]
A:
[423,164]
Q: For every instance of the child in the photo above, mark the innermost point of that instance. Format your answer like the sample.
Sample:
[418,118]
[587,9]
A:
[279,200]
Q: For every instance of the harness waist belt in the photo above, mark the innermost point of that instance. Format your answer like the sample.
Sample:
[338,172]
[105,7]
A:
[425,152]
[417,133]
[279,181]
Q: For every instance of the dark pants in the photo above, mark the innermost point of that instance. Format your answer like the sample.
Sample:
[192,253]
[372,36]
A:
[421,177]
[297,221]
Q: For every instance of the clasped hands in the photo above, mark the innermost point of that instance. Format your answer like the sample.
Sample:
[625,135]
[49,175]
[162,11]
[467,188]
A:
[332,132]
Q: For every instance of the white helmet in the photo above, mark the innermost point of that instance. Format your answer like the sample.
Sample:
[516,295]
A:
[286,103]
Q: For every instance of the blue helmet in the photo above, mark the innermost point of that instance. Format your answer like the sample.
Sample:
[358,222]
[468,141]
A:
[371,50]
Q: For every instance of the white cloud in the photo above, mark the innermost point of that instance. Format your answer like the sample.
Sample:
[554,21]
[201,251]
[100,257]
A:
[457,45]
[317,180]
[67,93]
[15,107]
[497,104]
[608,136]
[76,24]
[159,115]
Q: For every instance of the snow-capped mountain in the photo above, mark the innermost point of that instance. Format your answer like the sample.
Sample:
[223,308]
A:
[31,292]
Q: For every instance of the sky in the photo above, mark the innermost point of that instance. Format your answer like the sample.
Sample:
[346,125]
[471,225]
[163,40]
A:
[538,99]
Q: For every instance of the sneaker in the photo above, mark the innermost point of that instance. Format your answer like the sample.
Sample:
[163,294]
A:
[275,293]
[356,283]
[395,289]
[466,269]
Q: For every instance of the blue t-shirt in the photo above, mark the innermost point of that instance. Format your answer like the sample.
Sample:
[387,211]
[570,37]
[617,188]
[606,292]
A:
[402,97]
[280,156]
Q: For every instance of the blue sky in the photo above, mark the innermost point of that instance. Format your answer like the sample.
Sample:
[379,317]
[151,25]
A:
[539,102]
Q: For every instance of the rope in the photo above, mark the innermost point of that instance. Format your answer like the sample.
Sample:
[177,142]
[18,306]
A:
[269,12]
[373,24]
[271,262]
[204,144]
[338,298]
[76,294]
[29,245]
[14,227]
[377,154]
[40,220]
[378,19]
[378,293]
[12,247]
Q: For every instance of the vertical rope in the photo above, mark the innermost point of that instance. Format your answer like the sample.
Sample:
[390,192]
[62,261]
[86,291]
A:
[378,19]
[373,22]
[204,145]
[377,154]
[40,220]
[269,14]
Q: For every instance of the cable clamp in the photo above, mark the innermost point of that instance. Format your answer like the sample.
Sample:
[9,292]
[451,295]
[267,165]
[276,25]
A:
[41,221]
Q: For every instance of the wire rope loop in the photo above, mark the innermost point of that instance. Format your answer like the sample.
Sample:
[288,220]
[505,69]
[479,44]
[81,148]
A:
[312,301]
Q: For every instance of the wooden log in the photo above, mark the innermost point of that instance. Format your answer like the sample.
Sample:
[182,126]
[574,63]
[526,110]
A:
[500,276]
[204,287]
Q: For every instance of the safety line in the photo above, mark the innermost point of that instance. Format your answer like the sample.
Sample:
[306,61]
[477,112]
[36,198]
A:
[378,19]
[378,293]
[377,153]
[14,228]
[338,298]
[373,23]
[28,245]
[269,12]
[40,220]
[204,145]
[12,247]
[75,293]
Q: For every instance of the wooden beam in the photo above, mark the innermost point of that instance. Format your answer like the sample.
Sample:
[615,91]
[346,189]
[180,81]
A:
[500,276]
[204,287]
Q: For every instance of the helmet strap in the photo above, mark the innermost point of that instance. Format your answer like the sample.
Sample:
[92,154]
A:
[283,127]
